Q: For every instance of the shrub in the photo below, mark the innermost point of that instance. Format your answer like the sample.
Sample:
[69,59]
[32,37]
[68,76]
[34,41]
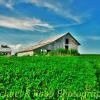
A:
[39,53]
[1,54]
[62,51]
[59,51]
[52,53]
[73,51]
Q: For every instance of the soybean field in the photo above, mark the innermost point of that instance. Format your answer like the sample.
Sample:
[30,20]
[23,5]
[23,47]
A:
[50,78]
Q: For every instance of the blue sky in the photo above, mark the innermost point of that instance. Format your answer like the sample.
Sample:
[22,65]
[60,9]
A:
[25,22]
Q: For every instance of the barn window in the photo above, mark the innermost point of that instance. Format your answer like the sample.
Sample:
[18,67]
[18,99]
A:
[66,41]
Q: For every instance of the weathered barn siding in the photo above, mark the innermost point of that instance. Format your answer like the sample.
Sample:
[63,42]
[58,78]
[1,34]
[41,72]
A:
[30,53]
[56,44]
[72,43]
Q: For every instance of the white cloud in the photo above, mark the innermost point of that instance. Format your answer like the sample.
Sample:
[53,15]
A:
[93,37]
[88,38]
[36,24]
[15,47]
[8,4]
[59,9]
[23,24]
[55,6]
[66,25]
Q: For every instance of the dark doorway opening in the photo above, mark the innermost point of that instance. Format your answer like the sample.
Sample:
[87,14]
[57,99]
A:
[66,47]
[48,50]
[66,41]
[66,44]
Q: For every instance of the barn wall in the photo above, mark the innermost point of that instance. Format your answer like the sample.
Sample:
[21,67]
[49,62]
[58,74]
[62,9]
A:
[30,53]
[57,44]
[72,43]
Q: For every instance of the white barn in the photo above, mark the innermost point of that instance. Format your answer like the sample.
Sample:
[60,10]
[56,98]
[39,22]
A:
[66,41]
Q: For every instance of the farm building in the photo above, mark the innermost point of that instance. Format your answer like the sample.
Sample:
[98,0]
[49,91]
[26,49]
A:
[5,50]
[66,41]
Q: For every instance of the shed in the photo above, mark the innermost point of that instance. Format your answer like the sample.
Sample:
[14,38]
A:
[5,50]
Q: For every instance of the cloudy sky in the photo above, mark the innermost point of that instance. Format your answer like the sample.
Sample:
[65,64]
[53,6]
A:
[25,22]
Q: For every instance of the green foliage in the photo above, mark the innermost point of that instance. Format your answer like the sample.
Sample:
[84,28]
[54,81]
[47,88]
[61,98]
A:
[1,54]
[39,53]
[49,78]
[62,51]
[72,51]
[59,51]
